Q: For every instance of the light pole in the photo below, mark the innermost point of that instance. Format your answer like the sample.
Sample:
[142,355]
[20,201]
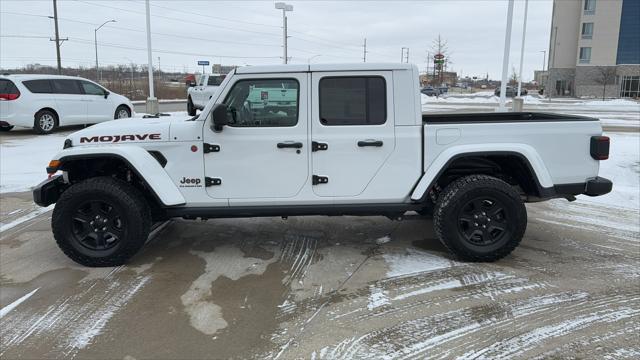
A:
[524,33]
[544,60]
[95,39]
[505,58]
[152,102]
[313,57]
[284,7]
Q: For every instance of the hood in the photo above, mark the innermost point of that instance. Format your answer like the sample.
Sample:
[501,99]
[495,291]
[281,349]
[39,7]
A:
[131,130]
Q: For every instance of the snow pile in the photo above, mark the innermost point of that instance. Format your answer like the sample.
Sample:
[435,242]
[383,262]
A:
[623,168]
[23,160]
[474,99]
[612,102]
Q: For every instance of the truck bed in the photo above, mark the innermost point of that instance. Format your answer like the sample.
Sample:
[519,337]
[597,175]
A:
[498,117]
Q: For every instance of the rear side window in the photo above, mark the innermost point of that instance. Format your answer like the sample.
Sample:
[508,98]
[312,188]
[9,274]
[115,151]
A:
[66,86]
[38,86]
[215,80]
[353,100]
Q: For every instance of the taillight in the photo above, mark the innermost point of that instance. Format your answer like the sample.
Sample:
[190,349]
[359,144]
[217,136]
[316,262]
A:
[12,96]
[600,147]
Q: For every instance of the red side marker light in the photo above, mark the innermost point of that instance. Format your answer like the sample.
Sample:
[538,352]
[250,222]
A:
[194,148]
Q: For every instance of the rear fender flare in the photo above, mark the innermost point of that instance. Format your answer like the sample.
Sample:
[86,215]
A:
[524,151]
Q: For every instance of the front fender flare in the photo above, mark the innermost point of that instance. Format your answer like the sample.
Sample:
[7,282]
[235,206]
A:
[527,152]
[140,161]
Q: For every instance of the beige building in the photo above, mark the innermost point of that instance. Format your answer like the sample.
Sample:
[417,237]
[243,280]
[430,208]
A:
[594,48]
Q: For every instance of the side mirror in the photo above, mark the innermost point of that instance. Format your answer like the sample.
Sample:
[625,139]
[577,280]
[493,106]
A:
[220,116]
[192,84]
[106,94]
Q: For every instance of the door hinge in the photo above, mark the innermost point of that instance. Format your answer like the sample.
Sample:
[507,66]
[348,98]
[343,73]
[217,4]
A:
[315,180]
[318,146]
[207,148]
[212,181]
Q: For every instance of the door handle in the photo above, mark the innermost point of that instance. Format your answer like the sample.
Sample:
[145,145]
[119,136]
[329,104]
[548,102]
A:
[375,143]
[294,145]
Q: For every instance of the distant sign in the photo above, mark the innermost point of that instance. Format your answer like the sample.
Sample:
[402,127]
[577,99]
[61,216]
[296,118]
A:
[203,63]
[438,56]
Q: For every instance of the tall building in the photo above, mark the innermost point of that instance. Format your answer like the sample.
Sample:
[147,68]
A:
[593,43]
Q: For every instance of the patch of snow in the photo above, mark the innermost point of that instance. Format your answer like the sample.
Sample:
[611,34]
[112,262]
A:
[5,310]
[29,216]
[414,261]
[383,240]
[377,297]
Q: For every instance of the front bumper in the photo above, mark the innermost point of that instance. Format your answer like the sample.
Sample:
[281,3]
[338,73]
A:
[48,191]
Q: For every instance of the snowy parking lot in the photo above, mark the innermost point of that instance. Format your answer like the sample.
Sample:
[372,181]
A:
[333,288]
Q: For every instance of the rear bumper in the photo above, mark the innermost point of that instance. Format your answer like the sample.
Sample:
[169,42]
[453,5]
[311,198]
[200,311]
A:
[48,191]
[592,187]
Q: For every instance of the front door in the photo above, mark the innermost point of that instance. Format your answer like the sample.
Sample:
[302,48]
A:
[99,107]
[264,153]
[352,129]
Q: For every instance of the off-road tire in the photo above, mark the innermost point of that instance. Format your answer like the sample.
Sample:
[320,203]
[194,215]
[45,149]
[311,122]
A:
[37,125]
[450,209]
[191,110]
[6,128]
[125,199]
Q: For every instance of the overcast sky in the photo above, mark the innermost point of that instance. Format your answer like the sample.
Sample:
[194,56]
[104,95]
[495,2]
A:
[249,32]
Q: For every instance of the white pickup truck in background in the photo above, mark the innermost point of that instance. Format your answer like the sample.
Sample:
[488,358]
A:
[338,139]
[198,95]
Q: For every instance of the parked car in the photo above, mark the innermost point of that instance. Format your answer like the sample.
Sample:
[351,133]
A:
[430,91]
[198,95]
[352,147]
[44,102]
[511,91]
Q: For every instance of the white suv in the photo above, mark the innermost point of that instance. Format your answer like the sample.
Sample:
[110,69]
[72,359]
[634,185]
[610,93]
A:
[44,102]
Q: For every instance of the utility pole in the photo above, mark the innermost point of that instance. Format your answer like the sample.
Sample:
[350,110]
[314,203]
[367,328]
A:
[505,58]
[524,33]
[364,53]
[57,40]
[284,7]
[152,102]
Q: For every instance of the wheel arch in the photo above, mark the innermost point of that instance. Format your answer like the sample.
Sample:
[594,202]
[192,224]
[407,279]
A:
[147,172]
[522,166]
[48,108]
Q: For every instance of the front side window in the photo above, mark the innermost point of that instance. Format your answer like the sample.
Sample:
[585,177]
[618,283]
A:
[66,86]
[215,80]
[587,30]
[38,86]
[589,7]
[585,55]
[353,100]
[202,80]
[92,89]
[264,103]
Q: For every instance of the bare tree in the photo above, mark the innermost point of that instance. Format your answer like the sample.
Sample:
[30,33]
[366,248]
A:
[439,46]
[513,79]
[605,76]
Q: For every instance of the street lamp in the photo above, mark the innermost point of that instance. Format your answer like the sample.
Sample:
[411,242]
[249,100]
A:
[284,7]
[95,39]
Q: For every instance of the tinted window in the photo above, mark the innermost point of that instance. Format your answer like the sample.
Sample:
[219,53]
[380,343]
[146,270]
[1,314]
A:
[353,101]
[91,88]
[64,86]
[38,86]
[264,102]
[215,80]
[7,87]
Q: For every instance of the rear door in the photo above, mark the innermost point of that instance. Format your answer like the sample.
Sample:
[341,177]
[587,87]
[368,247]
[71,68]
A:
[70,101]
[352,130]
[99,107]
[264,154]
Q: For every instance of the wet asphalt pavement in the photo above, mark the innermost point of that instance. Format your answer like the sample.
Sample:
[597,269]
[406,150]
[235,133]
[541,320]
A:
[320,287]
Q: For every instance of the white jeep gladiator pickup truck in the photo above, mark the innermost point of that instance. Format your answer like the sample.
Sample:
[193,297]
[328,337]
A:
[348,140]
[198,95]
